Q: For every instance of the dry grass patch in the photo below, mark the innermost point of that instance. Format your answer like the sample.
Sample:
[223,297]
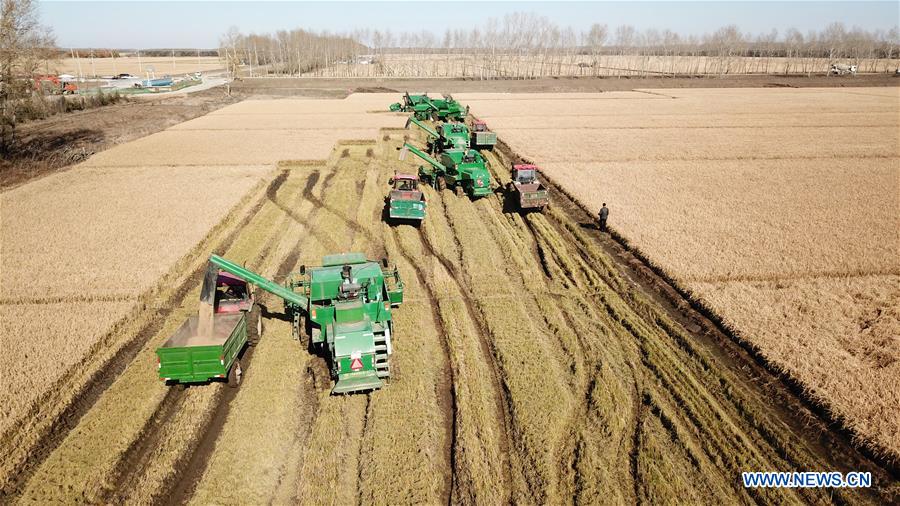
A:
[663,144]
[226,147]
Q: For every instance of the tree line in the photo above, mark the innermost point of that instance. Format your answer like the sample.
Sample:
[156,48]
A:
[522,45]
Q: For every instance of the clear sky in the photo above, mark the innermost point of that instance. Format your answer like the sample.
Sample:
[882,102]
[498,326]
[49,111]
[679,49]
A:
[141,24]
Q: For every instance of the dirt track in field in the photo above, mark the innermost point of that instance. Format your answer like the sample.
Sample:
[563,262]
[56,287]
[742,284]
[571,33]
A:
[535,361]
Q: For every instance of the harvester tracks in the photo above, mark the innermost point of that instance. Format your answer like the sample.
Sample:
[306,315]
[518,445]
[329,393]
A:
[449,385]
[499,387]
[194,467]
[108,372]
[821,435]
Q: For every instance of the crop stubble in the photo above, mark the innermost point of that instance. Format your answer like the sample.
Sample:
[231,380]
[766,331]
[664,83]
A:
[564,382]
[750,198]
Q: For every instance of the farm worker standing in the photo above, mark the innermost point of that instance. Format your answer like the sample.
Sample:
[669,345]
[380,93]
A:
[604,213]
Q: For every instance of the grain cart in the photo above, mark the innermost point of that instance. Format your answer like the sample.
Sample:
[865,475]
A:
[409,102]
[526,191]
[199,351]
[447,136]
[347,307]
[405,201]
[482,138]
[464,170]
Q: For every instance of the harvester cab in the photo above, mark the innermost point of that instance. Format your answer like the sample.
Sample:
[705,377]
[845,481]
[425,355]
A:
[524,174]
[232,294]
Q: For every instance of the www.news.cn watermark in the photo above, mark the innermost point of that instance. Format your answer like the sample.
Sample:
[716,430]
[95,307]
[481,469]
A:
[833,479]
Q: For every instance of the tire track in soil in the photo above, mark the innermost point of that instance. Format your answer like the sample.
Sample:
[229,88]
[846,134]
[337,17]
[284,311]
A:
[827,439]
[113,368]
[190,469]
[503,402]
[448,386]
[182,490]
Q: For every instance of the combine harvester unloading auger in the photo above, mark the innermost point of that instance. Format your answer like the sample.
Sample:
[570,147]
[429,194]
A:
[464,170]
[446,136]
[347,307]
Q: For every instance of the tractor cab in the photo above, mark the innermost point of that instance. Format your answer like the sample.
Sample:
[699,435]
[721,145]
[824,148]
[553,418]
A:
[406,182]
[405,201]
[524,174]
[232,294]
[479,126]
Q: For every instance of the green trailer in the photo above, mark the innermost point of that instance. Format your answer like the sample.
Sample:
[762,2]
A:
[482,137]
[345,307]
[449,135]
[463,170]
[405,202]
[191,356]
[198,353]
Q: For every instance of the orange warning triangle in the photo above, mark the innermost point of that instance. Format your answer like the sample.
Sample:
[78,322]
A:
[355,364]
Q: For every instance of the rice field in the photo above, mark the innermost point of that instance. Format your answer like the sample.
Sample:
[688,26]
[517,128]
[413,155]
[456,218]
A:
[81,251]
[527,367]
[137,66]
[773,207]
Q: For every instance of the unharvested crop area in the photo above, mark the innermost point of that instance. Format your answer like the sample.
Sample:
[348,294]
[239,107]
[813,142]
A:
[138,66]
[776,208]
[530,366]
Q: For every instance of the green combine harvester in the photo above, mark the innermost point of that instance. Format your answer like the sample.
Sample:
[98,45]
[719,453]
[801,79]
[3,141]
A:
[424,107]
[450,135]
[464,170]
[446,109]
[347,304]
[410,102]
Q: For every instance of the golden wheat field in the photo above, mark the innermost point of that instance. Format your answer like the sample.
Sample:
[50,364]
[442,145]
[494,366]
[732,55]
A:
[751,198]
[528,366]
[137,66]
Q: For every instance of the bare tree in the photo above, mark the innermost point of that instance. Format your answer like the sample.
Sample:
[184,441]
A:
[24,45]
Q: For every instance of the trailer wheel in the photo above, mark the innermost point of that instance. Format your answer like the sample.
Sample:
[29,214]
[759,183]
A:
[235,374]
